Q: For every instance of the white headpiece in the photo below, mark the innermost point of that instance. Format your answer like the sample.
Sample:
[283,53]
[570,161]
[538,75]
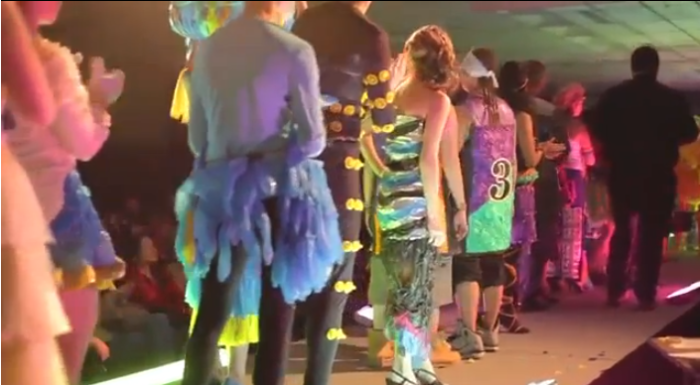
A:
[474,68]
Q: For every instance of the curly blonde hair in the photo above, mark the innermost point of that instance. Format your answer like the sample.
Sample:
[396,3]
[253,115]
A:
[432,54]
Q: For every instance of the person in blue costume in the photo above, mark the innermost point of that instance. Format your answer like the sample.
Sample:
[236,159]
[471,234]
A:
[255,192]
[196,21]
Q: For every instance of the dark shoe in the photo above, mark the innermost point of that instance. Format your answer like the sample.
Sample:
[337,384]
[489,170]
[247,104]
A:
[403,380]
[598,278]
[533,305]
[514,327]
[549,299]
[646,305]
[574,286]
[555,285]
[613,302]
[427,378]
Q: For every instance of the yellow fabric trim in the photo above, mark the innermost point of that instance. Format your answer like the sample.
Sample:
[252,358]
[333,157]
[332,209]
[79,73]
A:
[75,280]
[180,107]
[336,334]
[189,248]
[344,287]
[237,331]
[377,236]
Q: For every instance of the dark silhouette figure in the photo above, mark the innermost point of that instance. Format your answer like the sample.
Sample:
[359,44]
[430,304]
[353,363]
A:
[640,125]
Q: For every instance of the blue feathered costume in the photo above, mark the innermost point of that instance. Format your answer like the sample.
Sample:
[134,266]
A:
[221,205]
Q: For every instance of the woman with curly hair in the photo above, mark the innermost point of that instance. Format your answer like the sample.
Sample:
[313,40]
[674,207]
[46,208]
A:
[411,210]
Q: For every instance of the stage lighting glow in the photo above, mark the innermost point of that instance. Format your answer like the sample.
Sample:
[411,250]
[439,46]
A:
[161,375]
[684,291]
[551,381]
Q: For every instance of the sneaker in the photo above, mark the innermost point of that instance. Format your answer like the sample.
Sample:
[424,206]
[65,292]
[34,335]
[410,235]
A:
[469,344]
[489,339]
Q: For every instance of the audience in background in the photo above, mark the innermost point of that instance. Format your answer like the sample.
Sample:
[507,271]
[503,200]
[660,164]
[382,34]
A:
[151,285]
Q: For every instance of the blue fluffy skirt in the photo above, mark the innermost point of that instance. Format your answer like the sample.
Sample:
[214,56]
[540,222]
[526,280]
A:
[80,237]
[227,203]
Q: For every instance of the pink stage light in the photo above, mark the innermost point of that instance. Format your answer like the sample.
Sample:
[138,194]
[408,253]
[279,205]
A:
[686,290]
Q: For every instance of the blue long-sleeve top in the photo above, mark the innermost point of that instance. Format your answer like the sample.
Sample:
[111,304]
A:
[253,83]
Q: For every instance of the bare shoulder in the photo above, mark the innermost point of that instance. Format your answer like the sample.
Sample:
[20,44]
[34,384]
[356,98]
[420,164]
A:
[439,100]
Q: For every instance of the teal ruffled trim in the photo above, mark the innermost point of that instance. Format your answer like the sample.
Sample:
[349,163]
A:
[246,302]
[527,179]
[227,200]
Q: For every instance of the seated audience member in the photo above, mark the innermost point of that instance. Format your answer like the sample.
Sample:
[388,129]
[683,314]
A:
[153,286]
[132,332]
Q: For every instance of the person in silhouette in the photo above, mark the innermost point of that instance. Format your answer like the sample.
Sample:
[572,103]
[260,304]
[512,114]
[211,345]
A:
[354,58]
[640,124]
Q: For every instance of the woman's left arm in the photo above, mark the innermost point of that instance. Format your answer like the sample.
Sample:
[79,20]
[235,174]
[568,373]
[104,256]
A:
[587,151]
[450,145]
[81,125]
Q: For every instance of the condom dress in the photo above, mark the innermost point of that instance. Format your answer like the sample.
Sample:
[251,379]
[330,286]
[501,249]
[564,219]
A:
[489,164]
[408,255]
[255,201]
[196,21]
[571,250]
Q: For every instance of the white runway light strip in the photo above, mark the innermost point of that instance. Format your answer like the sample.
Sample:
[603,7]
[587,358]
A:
[169,373]
[684,291]
[161,375]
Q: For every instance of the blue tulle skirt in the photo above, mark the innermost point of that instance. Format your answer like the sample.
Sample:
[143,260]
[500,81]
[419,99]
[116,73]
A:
[222,206]
[80,238]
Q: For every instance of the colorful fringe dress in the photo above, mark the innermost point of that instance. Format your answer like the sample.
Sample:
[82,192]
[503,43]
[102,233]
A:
[196,21]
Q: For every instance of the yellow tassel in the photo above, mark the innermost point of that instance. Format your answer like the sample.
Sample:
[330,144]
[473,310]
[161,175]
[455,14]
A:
[180,108]
[237,331]
[189,249]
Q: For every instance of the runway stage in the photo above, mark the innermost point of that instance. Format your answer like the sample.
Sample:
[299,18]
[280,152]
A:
[575,343]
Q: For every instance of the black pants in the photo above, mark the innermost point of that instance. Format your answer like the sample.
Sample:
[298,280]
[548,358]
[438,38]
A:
[214,310]
[324,310]
[548,205]
[642,213]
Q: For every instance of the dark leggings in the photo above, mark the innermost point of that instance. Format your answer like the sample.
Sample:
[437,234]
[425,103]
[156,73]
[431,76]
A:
[214,310]
[324,310]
